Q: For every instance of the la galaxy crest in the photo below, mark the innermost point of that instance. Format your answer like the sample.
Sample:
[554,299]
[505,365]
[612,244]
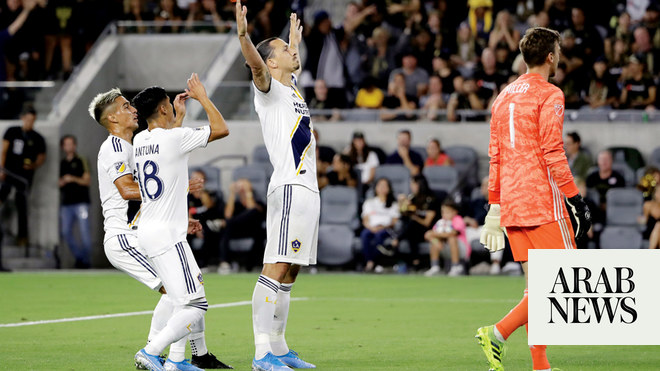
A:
[296,245]
[200,278]
[120,167]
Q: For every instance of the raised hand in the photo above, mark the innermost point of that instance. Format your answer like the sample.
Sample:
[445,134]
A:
[195,89]
[295,30]
[241,18]
[180,104]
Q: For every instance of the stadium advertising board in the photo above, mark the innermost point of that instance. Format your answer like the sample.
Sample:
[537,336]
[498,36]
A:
[594,297]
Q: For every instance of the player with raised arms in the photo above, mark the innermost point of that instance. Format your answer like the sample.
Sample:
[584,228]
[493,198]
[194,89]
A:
[528,180]
[293,210]
[161,159]
[116,188]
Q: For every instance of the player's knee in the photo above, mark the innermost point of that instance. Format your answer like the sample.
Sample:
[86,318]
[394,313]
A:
[199,303]
[276,271]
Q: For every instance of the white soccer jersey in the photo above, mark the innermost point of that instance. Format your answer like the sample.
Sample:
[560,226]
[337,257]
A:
[287,130]
[161,160]
[115,159]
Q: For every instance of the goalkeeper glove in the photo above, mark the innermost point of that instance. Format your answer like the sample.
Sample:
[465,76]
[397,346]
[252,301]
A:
[492,234]
[580,215]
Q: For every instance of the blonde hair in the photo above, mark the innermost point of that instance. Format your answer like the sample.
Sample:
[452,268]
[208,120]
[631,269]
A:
[102,101]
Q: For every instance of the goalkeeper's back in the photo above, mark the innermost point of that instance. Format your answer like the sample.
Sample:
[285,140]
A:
[529,171]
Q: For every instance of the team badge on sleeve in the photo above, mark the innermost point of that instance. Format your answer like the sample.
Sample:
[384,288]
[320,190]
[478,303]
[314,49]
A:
[559,110]
[296,245]
[200,278]
[120,167]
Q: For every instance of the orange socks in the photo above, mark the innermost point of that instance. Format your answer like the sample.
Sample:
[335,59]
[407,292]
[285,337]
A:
[539,359]
[516,318]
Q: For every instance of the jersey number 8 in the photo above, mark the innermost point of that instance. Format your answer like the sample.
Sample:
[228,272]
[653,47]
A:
[147,176]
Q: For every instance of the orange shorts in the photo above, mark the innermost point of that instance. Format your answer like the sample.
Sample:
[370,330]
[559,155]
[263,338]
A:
[555,235]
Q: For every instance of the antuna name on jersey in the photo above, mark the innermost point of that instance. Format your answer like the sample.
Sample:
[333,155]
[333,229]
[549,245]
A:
[151,149]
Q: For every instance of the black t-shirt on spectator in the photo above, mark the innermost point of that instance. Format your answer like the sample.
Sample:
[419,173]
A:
[24,147]
[488,84]
[615,180]
[74,193]
[333,178]
[637,90]
[415,158]
[448,82]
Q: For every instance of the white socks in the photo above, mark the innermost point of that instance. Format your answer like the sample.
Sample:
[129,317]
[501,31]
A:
[498,335]
[162,313]
[263,310]
[197,343]
[177,327]
[277,341]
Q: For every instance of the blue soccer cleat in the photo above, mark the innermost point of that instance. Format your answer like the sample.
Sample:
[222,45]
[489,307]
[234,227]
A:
[292,360]
[269,363]
[148,361]
[180,366]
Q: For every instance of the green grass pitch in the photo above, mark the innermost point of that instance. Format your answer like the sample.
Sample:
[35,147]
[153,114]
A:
[349,322]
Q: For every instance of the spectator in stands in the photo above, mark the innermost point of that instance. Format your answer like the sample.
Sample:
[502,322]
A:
[324,155]
[419,210]
[322,101]
[379,214]
[572,57]
[503,64]
[602,93]
[369,95]
[206,207]
[474,220]
[605,178]
[416,78]
[540,19]
[364,157]
[468,51]
[651,21]
[21,45]
[62,24]
[450,78]
[23,151]
[648,182]
[449,230]
[433,101]
[136,10]
[480,20]
[644,51]
[586,35]
[466,99]
[639,90]
[342,173]
[559,14]
[618,60]
[487,78]
[205,11]
[404,155]
[570,87]
[650,219]
[398,102]
[591,239]
[244,217]
[503,33]
[74,206]
[167,10]
[379,57]
[435,156]
[578,160]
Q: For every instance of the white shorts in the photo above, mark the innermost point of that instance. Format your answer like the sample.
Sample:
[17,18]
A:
[181,276]
[123,253]
[292,225]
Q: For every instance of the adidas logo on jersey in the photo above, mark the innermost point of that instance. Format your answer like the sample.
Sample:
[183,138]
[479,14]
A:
[293,95]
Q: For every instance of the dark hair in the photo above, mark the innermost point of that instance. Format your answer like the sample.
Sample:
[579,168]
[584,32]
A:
[424,189]
[265,49]
[450,203]
[574,136]
[405,131]
[345,159]
[537,43]
[28,109]
[389,199]
[68,136]
[353,153]
[147,101]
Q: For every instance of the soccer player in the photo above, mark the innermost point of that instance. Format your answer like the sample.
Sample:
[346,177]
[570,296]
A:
[529,177]
[116,187]
[293,209]
[161,161]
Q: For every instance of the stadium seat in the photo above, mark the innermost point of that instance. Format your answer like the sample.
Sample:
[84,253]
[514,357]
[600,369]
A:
[398,175]
[466,161]
[257,176]
[614,237]
[339,205]
[654,159]
[627,173]
[260,157]
[624,205]
[628,155]
[335,244]
[441,178]
[213,179]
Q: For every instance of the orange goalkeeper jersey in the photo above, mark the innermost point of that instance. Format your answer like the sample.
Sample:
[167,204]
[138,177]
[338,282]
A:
[528,166]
